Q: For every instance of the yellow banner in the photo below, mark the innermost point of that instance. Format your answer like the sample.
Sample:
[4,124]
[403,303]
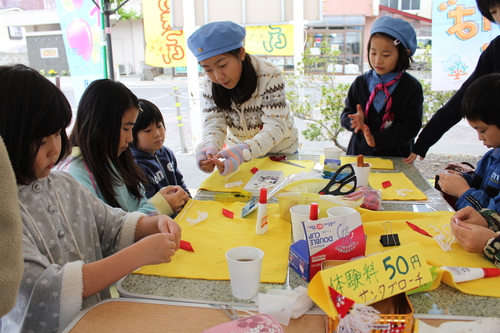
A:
[373,278]
[164,47]
[270,39]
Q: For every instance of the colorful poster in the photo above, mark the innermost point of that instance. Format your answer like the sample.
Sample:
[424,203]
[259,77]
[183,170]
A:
[164,47]
[270,39]
[81,28]
[460,33]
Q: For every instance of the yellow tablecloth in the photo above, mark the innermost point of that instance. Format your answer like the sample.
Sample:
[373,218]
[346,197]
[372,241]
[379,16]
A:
[376,162]
[402,187]
[216,182]
[374,228]
[212,237]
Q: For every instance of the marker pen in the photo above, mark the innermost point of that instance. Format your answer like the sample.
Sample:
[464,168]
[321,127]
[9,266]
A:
[261,226]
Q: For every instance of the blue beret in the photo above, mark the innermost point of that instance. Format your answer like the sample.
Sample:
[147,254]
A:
[397,28]
[216,38]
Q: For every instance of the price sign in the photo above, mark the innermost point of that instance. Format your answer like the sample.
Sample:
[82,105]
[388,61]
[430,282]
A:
[373,278]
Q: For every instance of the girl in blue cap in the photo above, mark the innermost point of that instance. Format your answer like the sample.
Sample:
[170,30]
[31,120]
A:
[245,101]
[384,107]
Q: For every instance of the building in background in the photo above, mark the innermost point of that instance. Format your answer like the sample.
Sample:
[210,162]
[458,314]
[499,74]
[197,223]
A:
[30,32]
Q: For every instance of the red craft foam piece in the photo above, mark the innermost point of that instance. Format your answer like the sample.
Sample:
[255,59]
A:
[254,170]
[386,184]
[186,246]
[227,213]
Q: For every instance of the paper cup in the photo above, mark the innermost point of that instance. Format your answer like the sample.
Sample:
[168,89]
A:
[362,174]
[245,265]
[340,211]
[332,153]
[299,214]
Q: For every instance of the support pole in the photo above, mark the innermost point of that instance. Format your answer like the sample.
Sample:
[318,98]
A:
[179,119]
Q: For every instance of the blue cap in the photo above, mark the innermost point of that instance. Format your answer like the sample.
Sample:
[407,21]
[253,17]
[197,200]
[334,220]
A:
[397,28]
[216,38]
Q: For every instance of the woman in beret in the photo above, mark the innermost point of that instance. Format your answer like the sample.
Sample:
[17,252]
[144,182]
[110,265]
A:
[245,102]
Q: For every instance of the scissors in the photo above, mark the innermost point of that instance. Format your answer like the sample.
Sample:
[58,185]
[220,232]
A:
[282,158]
[345,175]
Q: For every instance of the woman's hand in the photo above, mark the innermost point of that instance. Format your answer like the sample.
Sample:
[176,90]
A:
[357,119]
[453,183]
[205,156]
[175,196]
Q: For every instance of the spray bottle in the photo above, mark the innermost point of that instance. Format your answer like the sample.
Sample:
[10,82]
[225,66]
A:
[261,226]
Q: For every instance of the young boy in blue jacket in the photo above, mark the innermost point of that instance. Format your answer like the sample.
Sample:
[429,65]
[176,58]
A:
[480,106]
[157,161]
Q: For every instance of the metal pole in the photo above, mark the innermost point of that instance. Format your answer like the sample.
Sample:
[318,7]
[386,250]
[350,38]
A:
[107,24]
[179,119]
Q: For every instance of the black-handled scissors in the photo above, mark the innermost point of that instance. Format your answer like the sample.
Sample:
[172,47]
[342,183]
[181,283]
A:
[343,182]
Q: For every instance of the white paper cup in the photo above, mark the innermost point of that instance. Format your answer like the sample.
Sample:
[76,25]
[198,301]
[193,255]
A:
[245,264]
[340,211]
[332,153]
[362,174]
[299,214]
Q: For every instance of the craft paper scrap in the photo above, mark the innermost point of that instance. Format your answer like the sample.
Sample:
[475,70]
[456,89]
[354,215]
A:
[376,162]
[216,182]
[402,187]
[214,236]
[373,278]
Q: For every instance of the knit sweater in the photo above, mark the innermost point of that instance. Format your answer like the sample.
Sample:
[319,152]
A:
[11,259]
[492,248]
[264,122]
[397,139]
[449,115]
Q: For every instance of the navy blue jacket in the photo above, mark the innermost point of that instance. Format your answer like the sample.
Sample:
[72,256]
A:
[484,183]
[160,169]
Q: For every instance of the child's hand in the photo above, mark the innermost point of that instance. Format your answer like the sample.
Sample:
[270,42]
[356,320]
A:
[175,196]
[472,237]
[167,225]
[412,158]
[357,119]
[470,216]
[155,249]
[453,184]
[370,140]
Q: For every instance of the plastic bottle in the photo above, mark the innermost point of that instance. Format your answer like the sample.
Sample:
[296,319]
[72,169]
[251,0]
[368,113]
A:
[462,274]
[261,226]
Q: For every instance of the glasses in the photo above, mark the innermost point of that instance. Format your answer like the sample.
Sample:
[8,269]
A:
[343,182]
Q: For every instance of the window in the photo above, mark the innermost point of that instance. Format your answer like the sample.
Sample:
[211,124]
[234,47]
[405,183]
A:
[15,33]
[401,4]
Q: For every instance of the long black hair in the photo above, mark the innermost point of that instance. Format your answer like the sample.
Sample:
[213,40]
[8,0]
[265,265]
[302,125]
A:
[97,134]
[31,108]
[404,60]
[243,90]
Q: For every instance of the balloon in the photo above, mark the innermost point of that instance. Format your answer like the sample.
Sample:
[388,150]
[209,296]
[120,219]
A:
[78,3]
[80,38]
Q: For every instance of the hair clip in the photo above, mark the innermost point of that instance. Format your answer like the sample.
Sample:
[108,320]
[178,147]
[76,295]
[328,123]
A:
[396,41]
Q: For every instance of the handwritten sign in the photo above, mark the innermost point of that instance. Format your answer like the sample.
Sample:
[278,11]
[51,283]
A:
[270,39]
[373,278]
[165,47]
[460,33]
